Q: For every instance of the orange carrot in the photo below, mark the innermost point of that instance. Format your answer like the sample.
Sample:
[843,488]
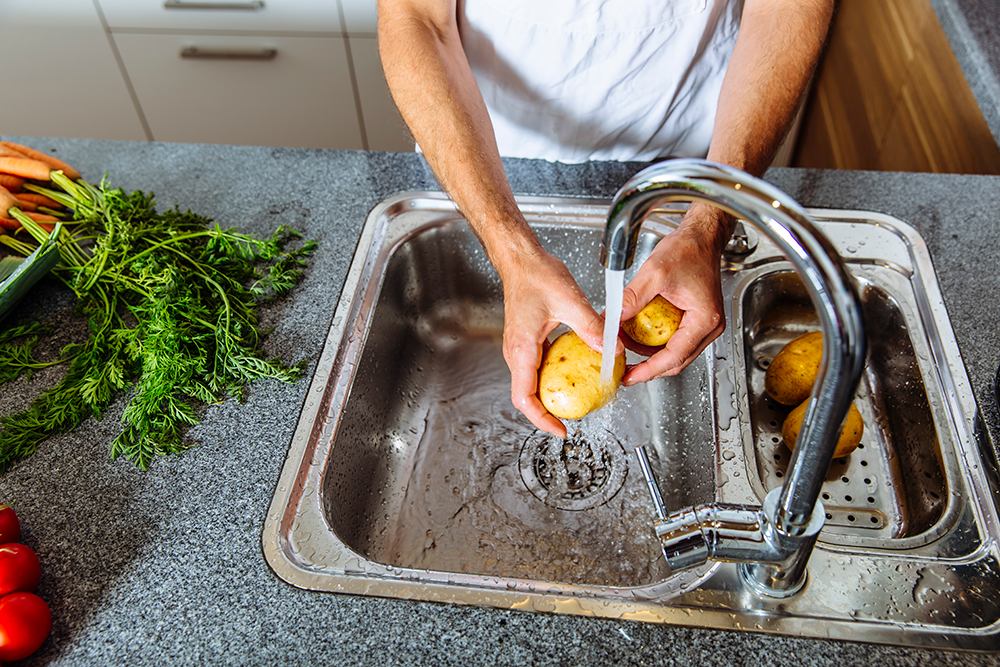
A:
[15,226]
[10,152]
[47,226]
[25,205]
[38,200]
[7,202]
[40,217]
[25,168]
[50,160]
[12,183]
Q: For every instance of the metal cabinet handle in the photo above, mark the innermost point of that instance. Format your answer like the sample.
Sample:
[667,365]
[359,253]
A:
[253,5]
[202,53]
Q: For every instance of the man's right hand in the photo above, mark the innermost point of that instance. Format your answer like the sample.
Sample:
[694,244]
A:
[433,86]
[539,295]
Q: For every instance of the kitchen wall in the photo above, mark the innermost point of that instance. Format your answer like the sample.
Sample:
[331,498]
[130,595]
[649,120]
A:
[302,73]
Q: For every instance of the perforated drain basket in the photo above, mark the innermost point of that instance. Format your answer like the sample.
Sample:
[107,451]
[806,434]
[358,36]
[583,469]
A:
[858,492]
[893,486]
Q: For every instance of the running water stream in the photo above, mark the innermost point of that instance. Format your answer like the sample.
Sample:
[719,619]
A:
[614,285]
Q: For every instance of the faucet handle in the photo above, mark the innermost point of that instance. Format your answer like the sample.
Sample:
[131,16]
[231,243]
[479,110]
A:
[743,241]
[654,488]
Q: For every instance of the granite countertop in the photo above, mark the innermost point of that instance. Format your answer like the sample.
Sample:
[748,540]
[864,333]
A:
[973,29]
[165,566]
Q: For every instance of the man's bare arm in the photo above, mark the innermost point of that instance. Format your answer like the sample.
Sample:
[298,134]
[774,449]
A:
[776,51]
[433,87]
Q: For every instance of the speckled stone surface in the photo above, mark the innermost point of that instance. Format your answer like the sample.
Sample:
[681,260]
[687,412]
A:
[973,29]
[164,567]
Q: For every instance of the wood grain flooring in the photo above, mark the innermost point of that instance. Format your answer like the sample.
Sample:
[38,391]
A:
[889,95]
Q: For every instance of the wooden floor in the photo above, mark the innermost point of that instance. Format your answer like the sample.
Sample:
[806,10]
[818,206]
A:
[889,95]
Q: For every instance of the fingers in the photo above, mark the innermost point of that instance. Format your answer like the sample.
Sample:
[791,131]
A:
[534,305]
[685,271]
[689,341]
[523,357]
[640,291]
[635,346]
[585,321]
[536,413]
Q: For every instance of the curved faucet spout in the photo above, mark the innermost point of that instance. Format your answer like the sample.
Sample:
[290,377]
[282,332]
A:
[792,515]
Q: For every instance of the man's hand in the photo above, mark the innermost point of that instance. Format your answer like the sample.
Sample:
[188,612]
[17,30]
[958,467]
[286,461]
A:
[775,54]
[435,91]
[539,295]
[684,269]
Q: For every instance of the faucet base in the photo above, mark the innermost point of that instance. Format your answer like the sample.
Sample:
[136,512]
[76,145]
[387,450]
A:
[787,577]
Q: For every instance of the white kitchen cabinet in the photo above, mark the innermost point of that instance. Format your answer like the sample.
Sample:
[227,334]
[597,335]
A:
[384,127]
[303,73]
[62,75]
[243,89]
[360,16]
[244,16]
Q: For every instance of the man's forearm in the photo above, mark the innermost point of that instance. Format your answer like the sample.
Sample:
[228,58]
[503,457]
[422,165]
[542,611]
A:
[436,93]
[777,49]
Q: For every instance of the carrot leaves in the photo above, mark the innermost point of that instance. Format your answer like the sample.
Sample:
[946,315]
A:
[172,304]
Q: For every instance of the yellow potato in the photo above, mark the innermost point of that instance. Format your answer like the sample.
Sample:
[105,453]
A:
[850,432]
[569,379]
[655,323]
[790,377]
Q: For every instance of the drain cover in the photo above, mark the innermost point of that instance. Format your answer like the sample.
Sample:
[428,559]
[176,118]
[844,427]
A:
[575,473]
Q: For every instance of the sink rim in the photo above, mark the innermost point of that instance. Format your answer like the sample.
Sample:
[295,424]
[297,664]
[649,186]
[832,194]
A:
[705,598]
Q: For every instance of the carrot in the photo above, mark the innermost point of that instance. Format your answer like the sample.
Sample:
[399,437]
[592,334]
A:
[38,200]
[7,152]
[40,217]
[25,168]
[25,205]
[15,226]
[50,160]
[12,183]
[7,202]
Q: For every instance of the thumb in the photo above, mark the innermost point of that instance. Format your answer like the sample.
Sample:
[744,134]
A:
[636,296]
[590,327]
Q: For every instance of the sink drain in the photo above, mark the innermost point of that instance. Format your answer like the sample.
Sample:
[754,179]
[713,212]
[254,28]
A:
[573,473]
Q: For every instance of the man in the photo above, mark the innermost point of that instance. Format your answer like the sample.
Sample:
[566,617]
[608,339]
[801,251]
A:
[587,79]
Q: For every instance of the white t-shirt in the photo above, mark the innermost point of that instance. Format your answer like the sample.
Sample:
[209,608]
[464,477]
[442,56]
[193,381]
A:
[578,80]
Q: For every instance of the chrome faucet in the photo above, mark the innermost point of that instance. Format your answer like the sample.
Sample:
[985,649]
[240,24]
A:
[772,543]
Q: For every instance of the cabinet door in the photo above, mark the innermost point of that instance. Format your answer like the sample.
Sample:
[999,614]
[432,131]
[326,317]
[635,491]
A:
[360,16]
[264,16]
[272,91]
[63,79]
[384,127]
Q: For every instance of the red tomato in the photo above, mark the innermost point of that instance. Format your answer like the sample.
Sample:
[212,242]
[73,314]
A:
[25,622]
[19,568]
[10,527]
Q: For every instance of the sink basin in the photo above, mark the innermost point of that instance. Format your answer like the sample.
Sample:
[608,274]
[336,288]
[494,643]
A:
[893,492]
[411,475]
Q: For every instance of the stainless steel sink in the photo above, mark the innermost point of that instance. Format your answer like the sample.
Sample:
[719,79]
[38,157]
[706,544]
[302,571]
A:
[411,475]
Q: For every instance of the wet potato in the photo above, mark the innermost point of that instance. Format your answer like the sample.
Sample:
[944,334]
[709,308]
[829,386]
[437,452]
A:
[850,434]
[655,323]
[790,377]
[569,378]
